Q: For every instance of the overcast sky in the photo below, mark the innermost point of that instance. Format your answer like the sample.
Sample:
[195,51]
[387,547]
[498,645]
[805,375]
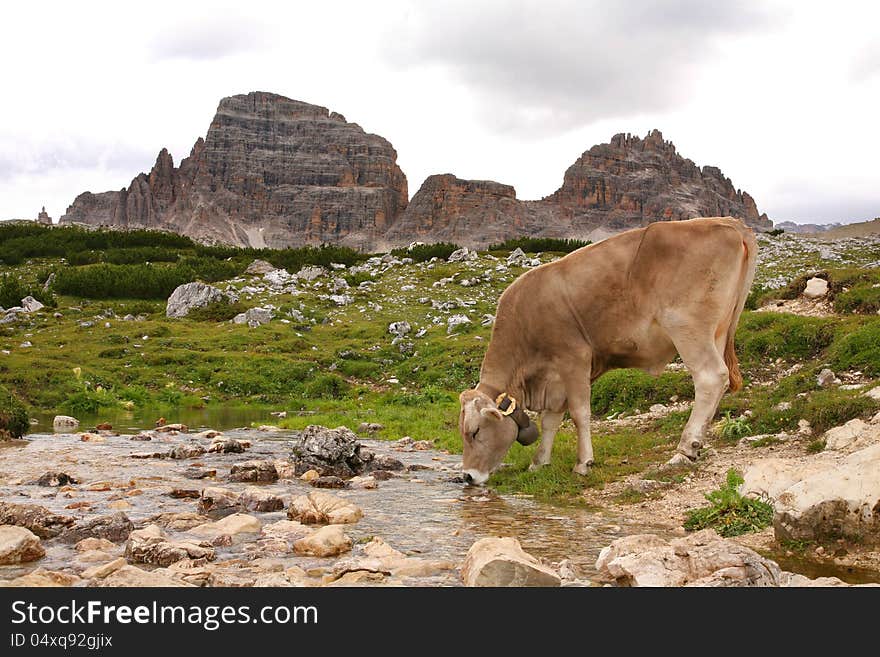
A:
[783,96]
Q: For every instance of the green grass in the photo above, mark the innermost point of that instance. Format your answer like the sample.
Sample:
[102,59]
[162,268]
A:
[625,390]
[14,421]
[728,512]
[730,428]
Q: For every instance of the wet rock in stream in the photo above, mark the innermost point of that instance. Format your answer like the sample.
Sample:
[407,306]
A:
[37,519]
[55,479]
[115,528]
[262,471]
[151,546]
[331,452]
[19,545]
[318,508]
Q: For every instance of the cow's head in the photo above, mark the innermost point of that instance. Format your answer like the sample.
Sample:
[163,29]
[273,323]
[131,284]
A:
[487,435]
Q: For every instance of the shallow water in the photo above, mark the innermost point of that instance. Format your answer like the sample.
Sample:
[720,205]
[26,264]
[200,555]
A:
[220,417]
[420,512]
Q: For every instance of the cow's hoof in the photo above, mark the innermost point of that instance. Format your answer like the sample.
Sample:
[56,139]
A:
[678,460]
[537,466]
[582,468]
[690,449]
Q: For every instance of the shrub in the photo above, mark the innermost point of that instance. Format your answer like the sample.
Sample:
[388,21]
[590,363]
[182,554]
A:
[539,244]
[140,255]
[326,386]
[12,291]
[859,348]
[219,311]
[762,336]
[776,232]
[424,252]
[623,390]
[728,512]
[139,308]
[14,421]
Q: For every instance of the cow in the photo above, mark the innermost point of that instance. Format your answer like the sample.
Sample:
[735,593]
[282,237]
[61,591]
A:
[633,300]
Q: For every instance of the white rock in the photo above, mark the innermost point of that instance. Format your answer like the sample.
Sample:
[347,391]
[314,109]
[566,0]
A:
[826,378]
[816,288]
[237,523]
[319,507]
[65,424]
[503,562]
[327,541]
[19,545]
[31,305]
[190,296]
[844,435]
[455,321]
[310,273]
[873,393]
[259,267]
[462,255]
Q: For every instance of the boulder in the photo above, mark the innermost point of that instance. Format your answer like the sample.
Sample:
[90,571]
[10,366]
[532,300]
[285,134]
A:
[839,500]
[37,519]
[456,321]
[503,562]
[318,508]
[19,545]
[462,255]
[826,378]
[65,424]
[334,452]
[700,559]
[217,499]
[254,317]
[259,268]
[845,435]
[43,578]
[327,541]
[816,288]
[31,305]
[232,525]
[310,273]
[151,545]
[115,528]
[189,296]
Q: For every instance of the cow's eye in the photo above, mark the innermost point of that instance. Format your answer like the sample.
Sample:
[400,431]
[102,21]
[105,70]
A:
[474,436]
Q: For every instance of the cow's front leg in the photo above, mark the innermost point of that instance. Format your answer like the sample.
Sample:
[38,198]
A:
[579,408]
[550,422]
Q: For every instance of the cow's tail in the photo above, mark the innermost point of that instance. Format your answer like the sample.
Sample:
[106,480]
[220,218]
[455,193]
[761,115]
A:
[747,276]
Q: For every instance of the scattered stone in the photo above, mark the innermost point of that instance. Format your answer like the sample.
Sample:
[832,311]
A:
[103,570]
[462,255]
[323,508]
[399,329]
[228,446]
[19,545]
[151,545]
[217,499]
[114,528]
[328,481]
[65,424]
[327,541]
[90,544]
[178,522]
[365,482]
[874,393]
[55,479]
[386,462]
[142,437]
[184,493]
[174,427]
[257,499]
[254,317]
[310,475]
[254,471]
[826,378]
[456,321]
[132,576]
[194,472]
[503,562]
[42,578]
[375,427]
[186,451]
[233,525]
[310,273]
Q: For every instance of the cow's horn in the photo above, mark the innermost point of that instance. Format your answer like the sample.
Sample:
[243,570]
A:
[528,434]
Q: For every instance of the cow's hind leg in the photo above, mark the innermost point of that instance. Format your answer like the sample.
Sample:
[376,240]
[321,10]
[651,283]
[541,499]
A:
[711,378]
[550,422]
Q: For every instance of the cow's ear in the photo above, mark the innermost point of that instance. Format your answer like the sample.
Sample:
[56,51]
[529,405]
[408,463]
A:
[491,412]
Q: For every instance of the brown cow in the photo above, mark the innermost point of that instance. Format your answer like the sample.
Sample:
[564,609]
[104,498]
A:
[633,300]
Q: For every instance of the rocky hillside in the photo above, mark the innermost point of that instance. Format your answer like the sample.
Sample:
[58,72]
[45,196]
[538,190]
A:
[626,183]
[275,172]
[271,172]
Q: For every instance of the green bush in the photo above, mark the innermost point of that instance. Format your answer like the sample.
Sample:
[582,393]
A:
[859,348]
[624,390]
[326,386]
[539,245]
[12,291]
[139,308]
[728,512]
[763,336]
[776,232]
[14,421]
[424,252]
[360,369]
[219,311]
